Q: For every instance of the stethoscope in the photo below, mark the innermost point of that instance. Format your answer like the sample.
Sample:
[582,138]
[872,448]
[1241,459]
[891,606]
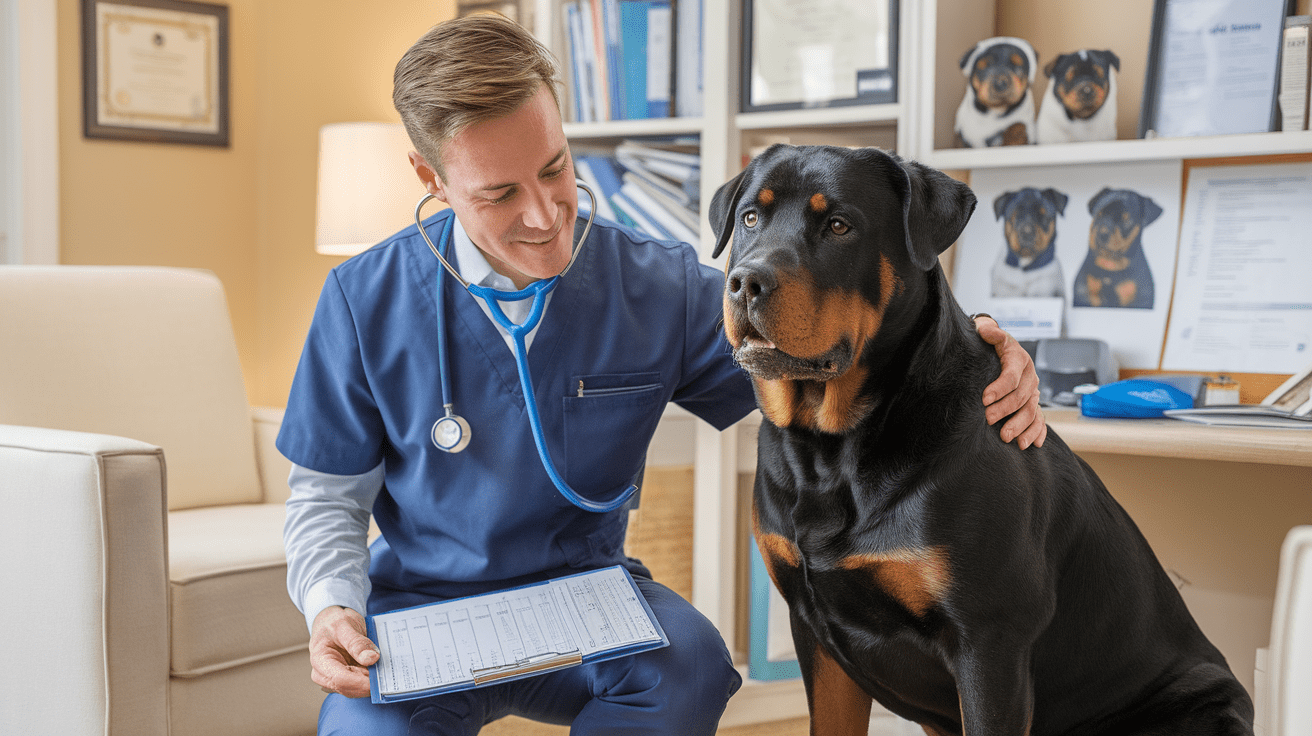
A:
[451,433]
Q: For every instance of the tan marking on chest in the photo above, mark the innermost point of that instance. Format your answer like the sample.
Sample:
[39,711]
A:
[917,578]
[775,549]
[1126,291]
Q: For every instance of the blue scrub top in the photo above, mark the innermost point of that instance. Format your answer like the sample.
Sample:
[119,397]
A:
[637,321]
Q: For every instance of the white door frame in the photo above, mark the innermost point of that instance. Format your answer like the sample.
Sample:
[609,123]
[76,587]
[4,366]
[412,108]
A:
[30,129]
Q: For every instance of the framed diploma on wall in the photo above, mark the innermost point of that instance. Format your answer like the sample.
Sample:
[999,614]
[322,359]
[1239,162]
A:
[818,53]
[155,71]
[1212,67]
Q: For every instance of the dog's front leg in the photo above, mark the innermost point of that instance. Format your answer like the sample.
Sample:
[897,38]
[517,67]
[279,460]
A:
[838,706]
[996,690]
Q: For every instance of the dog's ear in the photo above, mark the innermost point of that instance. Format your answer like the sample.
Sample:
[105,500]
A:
[723,205]
[1000,204]
[935,208]
[1109,58]
[965,59]
[1056,199]
[1096,203]
[1051,66]
[1151,210]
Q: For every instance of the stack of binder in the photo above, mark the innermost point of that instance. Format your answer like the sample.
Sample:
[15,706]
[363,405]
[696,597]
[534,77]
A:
[633,59]
[650,187]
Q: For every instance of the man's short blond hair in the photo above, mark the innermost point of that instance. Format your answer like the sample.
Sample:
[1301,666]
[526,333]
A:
[466,71]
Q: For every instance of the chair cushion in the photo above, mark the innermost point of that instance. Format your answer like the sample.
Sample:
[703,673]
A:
[229,601]
[145,353]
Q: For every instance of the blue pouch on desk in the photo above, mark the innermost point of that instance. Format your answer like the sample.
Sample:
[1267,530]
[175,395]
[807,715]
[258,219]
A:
[1135,398]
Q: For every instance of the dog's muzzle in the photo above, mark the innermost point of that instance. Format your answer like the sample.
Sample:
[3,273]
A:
[750,302]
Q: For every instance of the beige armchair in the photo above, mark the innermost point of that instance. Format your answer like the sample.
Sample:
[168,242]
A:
[143,568]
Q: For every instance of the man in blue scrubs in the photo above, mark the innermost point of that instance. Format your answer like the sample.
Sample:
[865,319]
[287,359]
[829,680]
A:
[633,326]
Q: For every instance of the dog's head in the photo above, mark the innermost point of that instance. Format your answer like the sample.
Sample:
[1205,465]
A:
[1000,71]
[1029,220]
[1082,81]
[1119,216]
[828,242]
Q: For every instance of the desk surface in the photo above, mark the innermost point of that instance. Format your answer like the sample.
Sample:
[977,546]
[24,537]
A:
[1174,438]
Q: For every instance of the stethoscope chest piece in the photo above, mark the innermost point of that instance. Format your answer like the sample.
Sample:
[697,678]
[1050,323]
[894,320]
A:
[451,433]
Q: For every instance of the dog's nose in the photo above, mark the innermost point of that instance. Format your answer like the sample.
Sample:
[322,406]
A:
[751,283]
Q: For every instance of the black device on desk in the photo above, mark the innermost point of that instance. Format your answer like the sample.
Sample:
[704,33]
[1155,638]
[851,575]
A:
[1066,362]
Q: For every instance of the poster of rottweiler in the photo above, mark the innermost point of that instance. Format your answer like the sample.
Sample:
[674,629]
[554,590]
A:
[1102,238]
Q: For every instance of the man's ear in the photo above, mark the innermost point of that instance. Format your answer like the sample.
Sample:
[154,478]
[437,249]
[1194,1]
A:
[935,209]
[432,182]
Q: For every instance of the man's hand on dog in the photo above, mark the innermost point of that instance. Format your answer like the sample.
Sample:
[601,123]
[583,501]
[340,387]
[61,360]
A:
[340,653]
[1016,392]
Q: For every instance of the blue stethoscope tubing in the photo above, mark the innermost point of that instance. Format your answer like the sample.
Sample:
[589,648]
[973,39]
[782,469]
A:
[451,433]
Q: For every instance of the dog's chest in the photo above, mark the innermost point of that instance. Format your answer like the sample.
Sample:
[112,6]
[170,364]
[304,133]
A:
[849,554]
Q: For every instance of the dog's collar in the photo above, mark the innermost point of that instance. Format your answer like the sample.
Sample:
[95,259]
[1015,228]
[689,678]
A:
[1044,259]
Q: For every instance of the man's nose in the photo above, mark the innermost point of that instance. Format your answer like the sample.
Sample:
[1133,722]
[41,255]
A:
[540,210]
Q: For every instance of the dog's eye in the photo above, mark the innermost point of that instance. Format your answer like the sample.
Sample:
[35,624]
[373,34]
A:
[838,227]
[749,219]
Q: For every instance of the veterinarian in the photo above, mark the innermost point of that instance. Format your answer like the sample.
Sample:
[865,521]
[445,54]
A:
[634,325]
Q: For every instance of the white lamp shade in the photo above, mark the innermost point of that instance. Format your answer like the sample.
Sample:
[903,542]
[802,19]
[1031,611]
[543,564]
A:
[367,188]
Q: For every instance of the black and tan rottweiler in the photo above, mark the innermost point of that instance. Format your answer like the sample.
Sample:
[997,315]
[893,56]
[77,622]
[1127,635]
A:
[1028,265]
[1116,272]
[963,583]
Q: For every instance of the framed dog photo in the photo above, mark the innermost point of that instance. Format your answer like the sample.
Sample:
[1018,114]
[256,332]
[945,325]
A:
[818,53]
[1213,67]
[1100,241]
[155,71]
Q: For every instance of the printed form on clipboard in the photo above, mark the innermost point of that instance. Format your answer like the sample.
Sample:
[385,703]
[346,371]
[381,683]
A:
[510,634]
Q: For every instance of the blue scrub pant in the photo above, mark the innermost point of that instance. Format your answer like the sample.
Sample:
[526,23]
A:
[679,689]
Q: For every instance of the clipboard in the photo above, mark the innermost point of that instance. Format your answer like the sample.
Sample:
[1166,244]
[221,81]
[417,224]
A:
[510,634]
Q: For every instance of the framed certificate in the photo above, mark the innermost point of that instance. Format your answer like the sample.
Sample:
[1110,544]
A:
[155,70]
[818,53]
[1212,67]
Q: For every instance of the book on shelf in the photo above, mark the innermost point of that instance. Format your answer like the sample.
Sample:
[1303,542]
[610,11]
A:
[676,189]
[1295,72]
[663,217]
[687,72]
[680,210]
[622,58]
[626,208]
[645,48]
[584,169]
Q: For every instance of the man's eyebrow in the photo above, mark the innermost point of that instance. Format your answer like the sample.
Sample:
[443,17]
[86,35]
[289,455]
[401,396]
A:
[554,160]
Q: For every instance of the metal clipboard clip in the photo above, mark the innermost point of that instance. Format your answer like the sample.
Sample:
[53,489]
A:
[538,663]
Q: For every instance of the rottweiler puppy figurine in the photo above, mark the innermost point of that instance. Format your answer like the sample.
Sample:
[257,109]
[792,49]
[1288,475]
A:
[1028,265]
[1080,104]
[998,109]
[963,583]
[1116,272]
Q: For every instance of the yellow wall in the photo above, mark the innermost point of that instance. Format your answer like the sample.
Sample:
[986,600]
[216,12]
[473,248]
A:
[245,212]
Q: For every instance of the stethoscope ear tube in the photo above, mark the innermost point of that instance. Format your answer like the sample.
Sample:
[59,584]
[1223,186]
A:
[451,433]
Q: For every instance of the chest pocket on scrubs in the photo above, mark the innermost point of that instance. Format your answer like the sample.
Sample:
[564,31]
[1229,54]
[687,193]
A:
[609,419]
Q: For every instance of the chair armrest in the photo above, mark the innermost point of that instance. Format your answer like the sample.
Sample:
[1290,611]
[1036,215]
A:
[84,561]
[273,467]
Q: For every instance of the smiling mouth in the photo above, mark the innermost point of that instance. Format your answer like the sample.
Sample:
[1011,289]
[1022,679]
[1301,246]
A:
[763,359]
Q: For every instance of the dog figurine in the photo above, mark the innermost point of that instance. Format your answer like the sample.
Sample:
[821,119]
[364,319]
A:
[998,109]
[1115,271]
[1080,104]
[1028,265]
[965,584]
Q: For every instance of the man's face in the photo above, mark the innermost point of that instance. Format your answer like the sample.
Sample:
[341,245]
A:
[511,183]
